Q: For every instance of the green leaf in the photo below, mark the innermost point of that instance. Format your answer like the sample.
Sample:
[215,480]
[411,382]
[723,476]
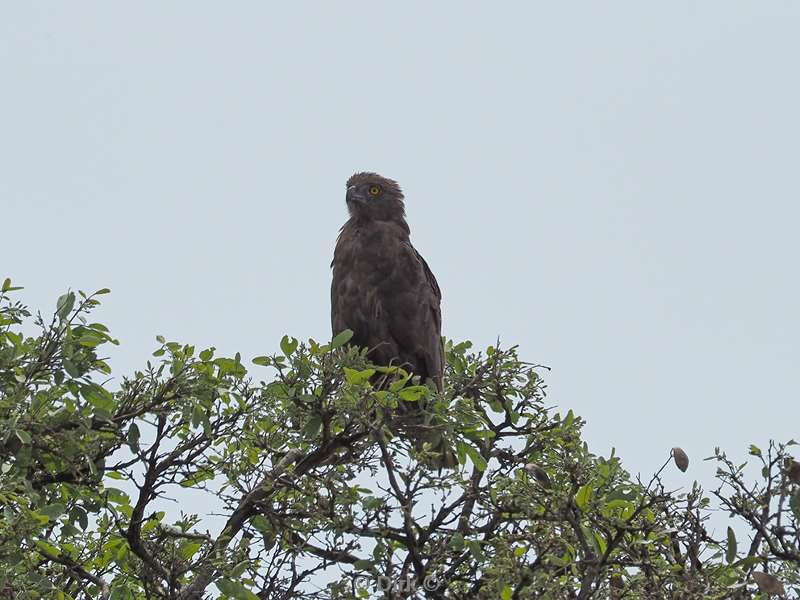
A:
[342,338]
[414,392]
[599,543]
[91,339]
[198,415]
[372,503]
[12,559]
[153,521]
[23,436]
[133,437]
[64,305]
[263,361]
[399,383]
[230,365]
[70,368]
[288,345]
[46,548]
[464,346]
[583,496]
[755,450]
[507,593]
[40,518]
[240,568]
[262,524]
[475,457]
[476,550]
[354,377]
[69,530]
[749,561]
[102,291]
[364,565]
[313,426]
[234,590]
[53,511]
[17,340]
[98,397]
[197,477]
[117,496]
[461,449]
[189,549]
[457,541]
[79,515]
[7,287]
[794,504]
[730,553]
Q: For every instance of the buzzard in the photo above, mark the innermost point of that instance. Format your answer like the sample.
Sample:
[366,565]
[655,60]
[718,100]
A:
[383,290]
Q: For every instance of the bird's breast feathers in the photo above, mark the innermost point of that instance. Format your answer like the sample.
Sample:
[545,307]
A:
[377,259]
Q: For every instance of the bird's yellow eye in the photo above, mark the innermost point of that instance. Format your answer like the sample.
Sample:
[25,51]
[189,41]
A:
[374,190]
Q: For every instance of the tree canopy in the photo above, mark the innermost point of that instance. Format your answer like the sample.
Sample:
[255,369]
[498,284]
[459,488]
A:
[199,476]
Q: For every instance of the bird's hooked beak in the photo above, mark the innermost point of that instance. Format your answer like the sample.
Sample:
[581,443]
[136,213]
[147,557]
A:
[353,196]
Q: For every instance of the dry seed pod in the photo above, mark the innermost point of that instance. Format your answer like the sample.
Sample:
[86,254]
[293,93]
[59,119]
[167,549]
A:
[539,474]
[793,470]
[680,458]
[769,584]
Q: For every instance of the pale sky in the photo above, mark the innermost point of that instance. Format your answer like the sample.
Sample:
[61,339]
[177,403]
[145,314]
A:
[612,186]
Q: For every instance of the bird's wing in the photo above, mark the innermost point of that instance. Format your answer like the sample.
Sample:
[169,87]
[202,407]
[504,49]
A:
[428,274]
[429,335]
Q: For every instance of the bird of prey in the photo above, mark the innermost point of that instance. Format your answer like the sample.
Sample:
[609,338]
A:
[382,289]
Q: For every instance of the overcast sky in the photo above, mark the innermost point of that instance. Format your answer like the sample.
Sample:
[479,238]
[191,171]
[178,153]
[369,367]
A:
[612,186]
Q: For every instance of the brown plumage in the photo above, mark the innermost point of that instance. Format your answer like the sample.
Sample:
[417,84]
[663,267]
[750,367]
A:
[382,289]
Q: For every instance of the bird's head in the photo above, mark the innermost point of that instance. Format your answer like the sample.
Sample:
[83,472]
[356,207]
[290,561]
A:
[371,197]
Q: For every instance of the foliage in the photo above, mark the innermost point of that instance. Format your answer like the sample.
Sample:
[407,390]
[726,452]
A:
[309,489]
